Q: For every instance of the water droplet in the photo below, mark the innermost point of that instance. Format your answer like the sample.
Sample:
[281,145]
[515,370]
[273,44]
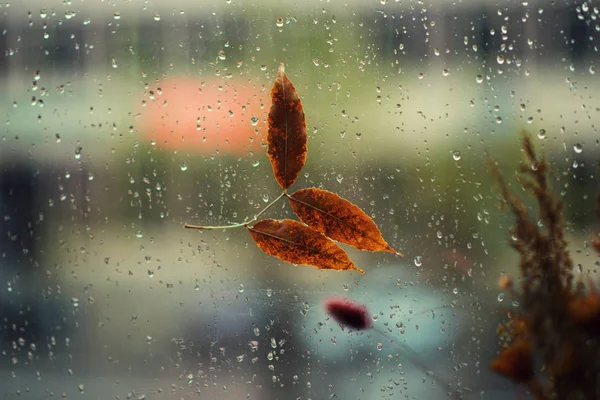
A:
[222,55]
[184,166]
[578,148]
[279,22]
[592,69]
[479,78]
[445,72]
[456,155]
[500,59]
[254,121]
[78,152]
[418,261]
[269,292]
[241,288]
[253,343]
[117,15]
[114,63]
[156,17]
[421,75]
[501,297]
[542,134]
[139,234]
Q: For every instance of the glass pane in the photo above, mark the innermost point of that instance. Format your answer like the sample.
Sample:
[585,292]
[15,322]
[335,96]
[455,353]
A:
[126,120]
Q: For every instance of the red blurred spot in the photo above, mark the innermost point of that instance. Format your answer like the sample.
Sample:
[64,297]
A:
[348,313]
[205,115]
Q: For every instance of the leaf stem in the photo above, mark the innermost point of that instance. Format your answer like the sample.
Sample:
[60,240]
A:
[241,224]
[271,204]
[201,227]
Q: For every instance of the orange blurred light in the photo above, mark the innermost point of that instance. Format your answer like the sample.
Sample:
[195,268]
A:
[205,115]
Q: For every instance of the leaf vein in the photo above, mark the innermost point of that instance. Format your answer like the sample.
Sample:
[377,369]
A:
[327,254]
[352,227]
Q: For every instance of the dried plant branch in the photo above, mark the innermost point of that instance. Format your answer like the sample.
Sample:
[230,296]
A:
[557,321]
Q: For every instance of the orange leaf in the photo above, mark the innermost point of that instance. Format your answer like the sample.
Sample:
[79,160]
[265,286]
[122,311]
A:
[515,362]
[287,140]
[338,219]
[296,243]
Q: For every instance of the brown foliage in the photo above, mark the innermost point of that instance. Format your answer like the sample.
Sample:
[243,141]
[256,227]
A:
[327,214]
[294,242]
[287,140]
[515,362]
[557,319]
[338,219]
[584,311]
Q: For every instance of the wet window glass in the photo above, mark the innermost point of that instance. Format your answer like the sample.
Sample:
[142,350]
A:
[299,200]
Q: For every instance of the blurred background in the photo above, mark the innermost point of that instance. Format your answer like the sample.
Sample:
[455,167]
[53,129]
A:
[126,119]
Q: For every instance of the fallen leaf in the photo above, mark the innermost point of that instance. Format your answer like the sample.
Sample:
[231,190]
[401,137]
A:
[338,219]
[287,139]
[297,243]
